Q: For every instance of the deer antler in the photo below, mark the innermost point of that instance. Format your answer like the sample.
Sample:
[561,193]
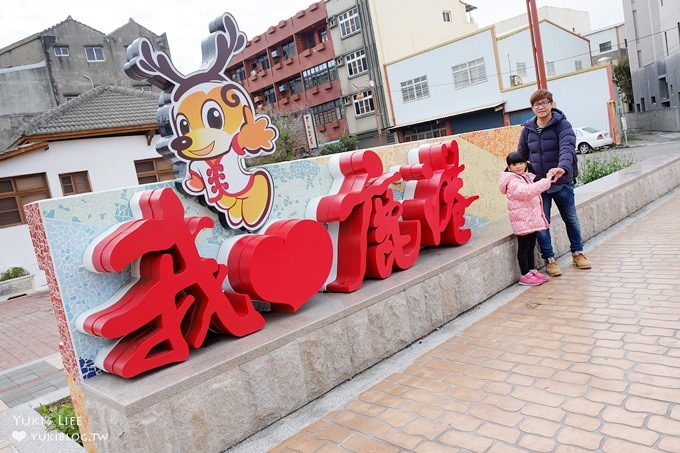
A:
[144,63]
[218,52]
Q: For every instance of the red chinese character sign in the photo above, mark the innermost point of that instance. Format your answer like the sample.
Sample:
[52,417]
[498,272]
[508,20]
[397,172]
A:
[208,127]
[358,231]
[175,295]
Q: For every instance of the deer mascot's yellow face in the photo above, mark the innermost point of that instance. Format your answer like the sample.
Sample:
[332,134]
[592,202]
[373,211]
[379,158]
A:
[206,121]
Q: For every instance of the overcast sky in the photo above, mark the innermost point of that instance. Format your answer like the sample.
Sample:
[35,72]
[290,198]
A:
[186,21]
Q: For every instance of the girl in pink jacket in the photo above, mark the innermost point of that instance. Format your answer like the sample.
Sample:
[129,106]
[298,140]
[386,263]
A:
[525,207]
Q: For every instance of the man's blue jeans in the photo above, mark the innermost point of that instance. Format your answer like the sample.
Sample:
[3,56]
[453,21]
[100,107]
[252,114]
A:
[564,200]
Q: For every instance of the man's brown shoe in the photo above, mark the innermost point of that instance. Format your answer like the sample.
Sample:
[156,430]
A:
[580,261]
[553,269]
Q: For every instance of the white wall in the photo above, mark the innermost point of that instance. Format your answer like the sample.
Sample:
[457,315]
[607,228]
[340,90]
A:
[559,46]
[583,97]
[574,20]
[404,27]
[613,35]
[109,163]
[437,65]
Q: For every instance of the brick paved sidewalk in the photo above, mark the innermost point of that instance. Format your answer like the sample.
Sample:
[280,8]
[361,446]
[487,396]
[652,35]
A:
[28,330]
[30,363]
[589,361]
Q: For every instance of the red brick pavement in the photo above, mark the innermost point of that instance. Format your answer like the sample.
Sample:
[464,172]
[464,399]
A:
[28,330]
[589,361]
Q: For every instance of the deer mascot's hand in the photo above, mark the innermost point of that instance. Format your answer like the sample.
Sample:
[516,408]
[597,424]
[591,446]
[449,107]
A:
[195,182]
[255,134]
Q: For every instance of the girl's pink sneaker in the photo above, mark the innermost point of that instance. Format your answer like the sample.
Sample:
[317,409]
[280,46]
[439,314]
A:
[538,275]
[529,280]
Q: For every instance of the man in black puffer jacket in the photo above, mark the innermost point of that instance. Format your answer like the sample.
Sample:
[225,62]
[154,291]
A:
[548,142]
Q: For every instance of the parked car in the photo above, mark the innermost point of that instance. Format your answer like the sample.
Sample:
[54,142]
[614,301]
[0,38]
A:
[589,138]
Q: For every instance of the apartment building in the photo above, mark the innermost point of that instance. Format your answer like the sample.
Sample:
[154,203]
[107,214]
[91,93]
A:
[482,81]
[51,67]
[608,44]
[325,63]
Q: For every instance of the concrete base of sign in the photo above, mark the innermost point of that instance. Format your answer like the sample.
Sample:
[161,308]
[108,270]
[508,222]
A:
[232,388]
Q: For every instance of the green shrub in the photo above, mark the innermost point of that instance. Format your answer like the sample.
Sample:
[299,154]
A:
[346,143]
[596,167]
[13,272]
[61,416]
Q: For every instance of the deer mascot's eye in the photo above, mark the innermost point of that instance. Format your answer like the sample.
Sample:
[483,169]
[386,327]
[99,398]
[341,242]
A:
[183,125]
[213,117]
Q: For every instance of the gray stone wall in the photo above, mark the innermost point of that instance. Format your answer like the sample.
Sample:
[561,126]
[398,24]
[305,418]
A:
[664,120]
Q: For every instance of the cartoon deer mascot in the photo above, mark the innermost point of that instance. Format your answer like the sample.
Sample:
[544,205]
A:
[208,127]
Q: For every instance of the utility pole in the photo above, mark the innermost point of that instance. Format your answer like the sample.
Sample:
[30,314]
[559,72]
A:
[537,47]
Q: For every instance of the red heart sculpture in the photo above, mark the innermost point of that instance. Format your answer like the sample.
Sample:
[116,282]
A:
[285,266]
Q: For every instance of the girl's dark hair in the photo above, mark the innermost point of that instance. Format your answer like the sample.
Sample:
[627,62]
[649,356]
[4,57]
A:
[516,157]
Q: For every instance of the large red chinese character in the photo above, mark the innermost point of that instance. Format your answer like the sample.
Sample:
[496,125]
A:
[176,295]
[435,201]
[369,238]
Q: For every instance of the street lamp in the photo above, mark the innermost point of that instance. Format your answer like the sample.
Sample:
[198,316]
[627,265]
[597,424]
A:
[376,111]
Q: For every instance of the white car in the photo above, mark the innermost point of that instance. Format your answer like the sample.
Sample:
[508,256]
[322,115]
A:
[589,138]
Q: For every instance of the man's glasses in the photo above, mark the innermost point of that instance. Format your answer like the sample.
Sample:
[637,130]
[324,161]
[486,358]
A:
[543,104]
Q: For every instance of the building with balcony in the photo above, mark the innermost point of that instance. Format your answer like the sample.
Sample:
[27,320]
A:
[327,60]
[290,68]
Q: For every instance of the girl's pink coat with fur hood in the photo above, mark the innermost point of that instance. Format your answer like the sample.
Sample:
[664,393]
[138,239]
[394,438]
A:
[525,205]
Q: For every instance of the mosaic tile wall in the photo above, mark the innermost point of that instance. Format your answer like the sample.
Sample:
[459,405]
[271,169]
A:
[62,228]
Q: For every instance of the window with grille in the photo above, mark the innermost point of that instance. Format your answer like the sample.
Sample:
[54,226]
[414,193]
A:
[328,112]
[578,65]
[415,89]
[61,51]
[349,22]
[239,74]
[550,67]
[363,103]
[263,61]
[356,63]
[288,49]
[605,46]
[295,85]
[154,170]
[320,74]
[17,191]
[521,69]
[446,15]
[94,53]
[72,183]
[469,73]
[269,95]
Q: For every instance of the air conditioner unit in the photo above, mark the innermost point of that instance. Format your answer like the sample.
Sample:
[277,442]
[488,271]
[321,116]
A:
[339,61]
[253,72]
[283,88]
[276,54]
[346,100]
[331,21]
[515,80]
